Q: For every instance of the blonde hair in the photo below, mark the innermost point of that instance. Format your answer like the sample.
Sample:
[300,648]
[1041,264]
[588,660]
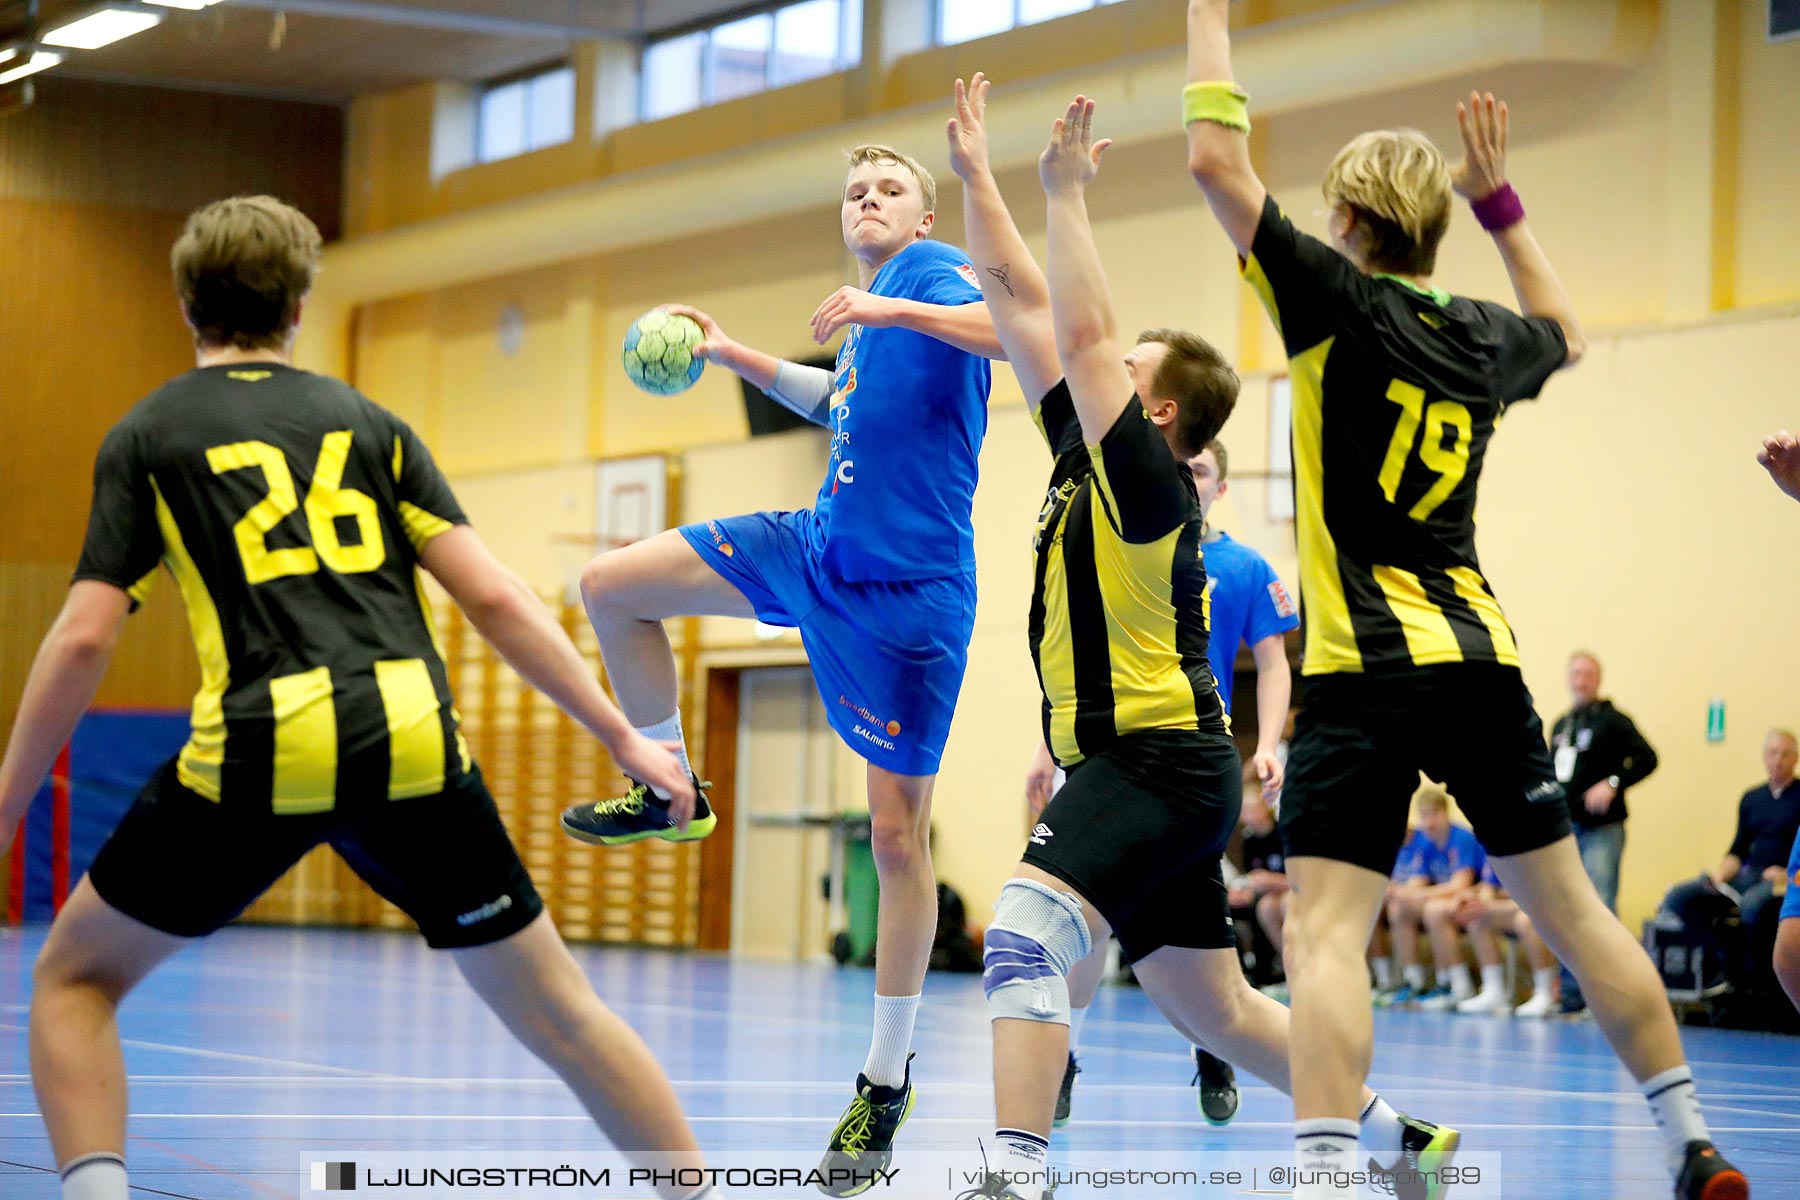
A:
[1431,797]
[887,156]
[242,266]
[1398,185]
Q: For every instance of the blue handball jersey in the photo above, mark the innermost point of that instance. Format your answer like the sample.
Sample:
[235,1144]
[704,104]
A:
[1245,604]
[907,419]
[1422,858]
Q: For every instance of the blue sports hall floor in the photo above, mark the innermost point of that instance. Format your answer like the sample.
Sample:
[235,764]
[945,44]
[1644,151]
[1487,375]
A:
[257,1045]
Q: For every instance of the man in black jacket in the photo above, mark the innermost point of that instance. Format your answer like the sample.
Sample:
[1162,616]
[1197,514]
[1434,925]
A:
[1599,755]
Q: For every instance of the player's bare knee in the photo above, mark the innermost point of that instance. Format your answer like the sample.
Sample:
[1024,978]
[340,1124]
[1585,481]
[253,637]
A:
[1037,936]
[898,844]
[602,585]
[553,1023]
[56,977]
[1226,1002]
[1301,938]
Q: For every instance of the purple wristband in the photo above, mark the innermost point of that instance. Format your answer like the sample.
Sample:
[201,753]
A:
[1500,210]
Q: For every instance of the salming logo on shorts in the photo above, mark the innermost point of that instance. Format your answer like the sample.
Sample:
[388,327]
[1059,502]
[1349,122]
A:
[489,910]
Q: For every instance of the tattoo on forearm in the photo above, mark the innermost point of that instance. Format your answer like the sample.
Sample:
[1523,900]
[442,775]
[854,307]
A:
[1004,275]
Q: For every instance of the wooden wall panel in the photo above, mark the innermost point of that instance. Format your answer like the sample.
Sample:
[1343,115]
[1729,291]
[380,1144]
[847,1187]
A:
[170,151]
[95,181]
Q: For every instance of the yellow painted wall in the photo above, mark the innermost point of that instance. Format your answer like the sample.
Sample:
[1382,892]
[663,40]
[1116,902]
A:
[1623,513]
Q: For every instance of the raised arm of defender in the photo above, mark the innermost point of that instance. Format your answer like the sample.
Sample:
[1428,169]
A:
[1018,299]
[1480,178]
[1081,307]
[1218,126]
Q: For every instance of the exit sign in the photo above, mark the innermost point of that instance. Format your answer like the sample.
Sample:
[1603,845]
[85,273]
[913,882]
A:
[1784,20]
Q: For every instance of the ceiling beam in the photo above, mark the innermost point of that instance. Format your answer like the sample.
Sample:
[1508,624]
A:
[453,20]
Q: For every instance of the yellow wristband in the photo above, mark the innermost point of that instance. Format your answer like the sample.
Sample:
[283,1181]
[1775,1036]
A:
[1224,104]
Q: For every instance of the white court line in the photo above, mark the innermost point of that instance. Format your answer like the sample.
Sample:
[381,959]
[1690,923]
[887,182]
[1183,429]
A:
[814,1085]
[960,1121]
[1752,1112]
[231,1057]
[1524,1054]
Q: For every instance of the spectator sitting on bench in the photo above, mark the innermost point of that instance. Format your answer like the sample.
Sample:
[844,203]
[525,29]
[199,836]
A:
[1439,862]
[1750,877]
[1485,912]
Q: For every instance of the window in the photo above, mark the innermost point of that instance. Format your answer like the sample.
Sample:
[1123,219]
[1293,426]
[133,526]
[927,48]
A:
[1784,20]
[965,20]
[514,116]
[747,54]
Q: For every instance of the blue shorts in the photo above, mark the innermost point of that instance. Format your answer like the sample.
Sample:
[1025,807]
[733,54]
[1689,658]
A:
[1790,904]
[888,658]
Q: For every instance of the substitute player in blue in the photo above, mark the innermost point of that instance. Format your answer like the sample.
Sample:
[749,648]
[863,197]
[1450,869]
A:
[879,577]
[1246,606]
[1440,861]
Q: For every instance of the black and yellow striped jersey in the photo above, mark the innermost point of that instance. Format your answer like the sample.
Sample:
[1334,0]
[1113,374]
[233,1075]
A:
[1396,393]
[290,510]
[1118,610]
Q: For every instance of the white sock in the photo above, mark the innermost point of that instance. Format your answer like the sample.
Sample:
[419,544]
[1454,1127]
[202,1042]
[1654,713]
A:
[893,1039]
[1462,986]
[669,730]
[94,1177]
[1384,973]
[1543,983]
[1415,976]
[1677,1111]
[1077,1018]
[1381,1131]
[1323,1148]
[1493,979]
[1023,1158]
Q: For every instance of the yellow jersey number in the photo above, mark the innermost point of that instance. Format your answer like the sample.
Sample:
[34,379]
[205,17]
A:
[1450,462]
[326,500]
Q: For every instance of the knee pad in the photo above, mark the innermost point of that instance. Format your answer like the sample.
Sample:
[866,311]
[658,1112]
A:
[1036,938]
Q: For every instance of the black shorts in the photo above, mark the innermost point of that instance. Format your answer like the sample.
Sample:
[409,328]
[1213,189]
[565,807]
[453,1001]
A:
[186,865]
[1138,830]
[1361,741]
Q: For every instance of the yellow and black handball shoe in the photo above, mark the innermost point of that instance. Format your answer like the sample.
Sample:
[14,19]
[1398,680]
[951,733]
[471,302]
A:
[638,815]
[862,1143]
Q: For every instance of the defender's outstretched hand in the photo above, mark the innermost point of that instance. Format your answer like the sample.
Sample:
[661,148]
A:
[1482,172]
[1072,158]
[967,131]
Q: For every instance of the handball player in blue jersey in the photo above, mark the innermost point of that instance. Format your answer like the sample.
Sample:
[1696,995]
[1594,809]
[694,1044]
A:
[879,577]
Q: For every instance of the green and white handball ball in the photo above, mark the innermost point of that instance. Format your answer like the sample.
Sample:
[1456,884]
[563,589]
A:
[659,352]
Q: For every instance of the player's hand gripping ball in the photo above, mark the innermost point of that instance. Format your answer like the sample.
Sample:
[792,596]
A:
[659,352]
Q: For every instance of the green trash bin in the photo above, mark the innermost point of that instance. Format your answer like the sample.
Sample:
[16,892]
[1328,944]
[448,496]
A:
[855,943]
